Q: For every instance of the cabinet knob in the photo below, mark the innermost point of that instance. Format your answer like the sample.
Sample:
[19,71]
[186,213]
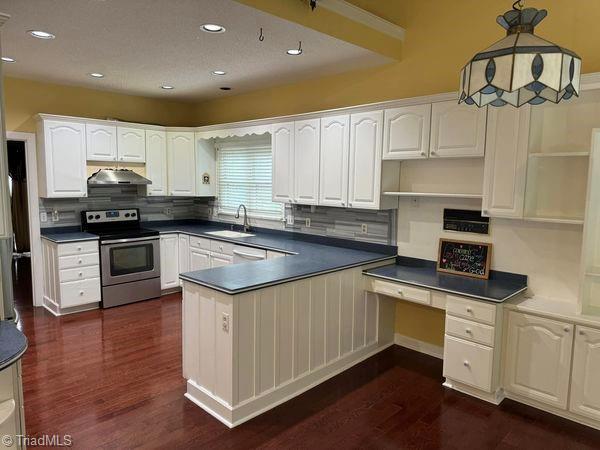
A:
[80,292]
[469,309]
[343,204]
[581,333]
[80,274]
[433,152]
[79,249]
[79,261]
[466,364]
[567,329]
[400,291]
[468,331]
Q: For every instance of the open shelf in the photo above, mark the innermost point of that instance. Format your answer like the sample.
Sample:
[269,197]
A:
[564,220]
[559,155]
[433,195]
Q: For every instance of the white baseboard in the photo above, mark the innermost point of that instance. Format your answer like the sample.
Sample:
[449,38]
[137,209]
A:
[419,346]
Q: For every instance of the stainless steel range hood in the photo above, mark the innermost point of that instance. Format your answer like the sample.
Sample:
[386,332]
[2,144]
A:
[106,177]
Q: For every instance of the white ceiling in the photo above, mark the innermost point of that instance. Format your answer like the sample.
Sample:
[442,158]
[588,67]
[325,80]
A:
[142,44]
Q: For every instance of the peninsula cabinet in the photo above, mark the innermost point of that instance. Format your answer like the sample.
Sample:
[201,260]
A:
[505,164]
[169,261]
[282,141]
[538,358]
[306,161]
[406,132]
[585,386]
[61,159]
[101,142]
[335,155]
[457,130]
[156,162]
[131,144]
[181,163]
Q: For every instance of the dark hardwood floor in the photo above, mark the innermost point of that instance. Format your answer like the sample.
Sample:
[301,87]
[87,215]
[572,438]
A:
[112,379]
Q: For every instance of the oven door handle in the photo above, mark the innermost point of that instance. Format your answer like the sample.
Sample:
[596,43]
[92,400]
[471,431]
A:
[127,240]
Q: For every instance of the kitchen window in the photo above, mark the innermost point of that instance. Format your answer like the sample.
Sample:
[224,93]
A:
[245,175]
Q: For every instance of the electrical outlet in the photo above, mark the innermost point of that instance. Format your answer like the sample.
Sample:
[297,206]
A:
[307,222]
[55,216]
[168,211]
[364,228]
[225,322]
[43,216]
[290,219]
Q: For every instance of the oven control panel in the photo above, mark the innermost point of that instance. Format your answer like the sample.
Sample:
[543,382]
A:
[111,215]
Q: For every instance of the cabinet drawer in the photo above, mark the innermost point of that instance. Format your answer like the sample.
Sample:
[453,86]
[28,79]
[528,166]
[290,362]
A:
[69,262]
[76,293]
[468,363]
[80,273]
[469,330]
[225,248]
[479,311]
[201,243]
[77,248]
[422,296]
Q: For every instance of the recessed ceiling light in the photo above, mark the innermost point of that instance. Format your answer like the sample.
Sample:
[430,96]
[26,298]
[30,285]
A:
[96,75]
[225,88]
[8,60]
[218,72]
[213,28]
[294,51]
[41,34]
[167,87]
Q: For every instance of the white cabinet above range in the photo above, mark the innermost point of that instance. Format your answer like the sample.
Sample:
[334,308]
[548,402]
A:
[115,143]
[131,144]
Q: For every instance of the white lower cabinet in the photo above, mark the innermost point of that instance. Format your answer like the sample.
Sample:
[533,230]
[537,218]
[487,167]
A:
[468,363]
[199,259]
[220,260]
[585,382]
[71,276]
[538,358]
[169,261]
[12,419]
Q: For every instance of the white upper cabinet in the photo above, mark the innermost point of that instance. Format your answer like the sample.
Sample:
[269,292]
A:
[282,141]
[366,135]
[335,157]
[101,142]
[538,364]
[131,144]
[585,387]
[62,159]
[457,130]
[156,162]
[306,161]
[505,166]
[181,163]
[406,132]
[206,168]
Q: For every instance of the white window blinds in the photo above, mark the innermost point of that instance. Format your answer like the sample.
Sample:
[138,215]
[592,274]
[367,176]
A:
[245,174]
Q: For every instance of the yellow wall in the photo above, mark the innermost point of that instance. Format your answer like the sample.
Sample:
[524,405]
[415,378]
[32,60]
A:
[25,98]
[441,35]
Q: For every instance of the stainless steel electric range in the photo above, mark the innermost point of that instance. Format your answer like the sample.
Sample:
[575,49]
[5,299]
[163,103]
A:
[129,255]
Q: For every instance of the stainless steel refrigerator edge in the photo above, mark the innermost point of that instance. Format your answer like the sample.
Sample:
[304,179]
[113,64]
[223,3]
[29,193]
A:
[6,234]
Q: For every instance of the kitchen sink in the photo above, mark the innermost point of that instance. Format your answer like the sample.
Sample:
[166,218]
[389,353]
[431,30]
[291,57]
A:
[229,234]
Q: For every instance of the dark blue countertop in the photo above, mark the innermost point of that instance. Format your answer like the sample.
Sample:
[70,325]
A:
[309,255]
[419,272]
[64,235]
[13,343]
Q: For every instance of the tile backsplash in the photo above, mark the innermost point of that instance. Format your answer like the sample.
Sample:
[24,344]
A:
[325,221]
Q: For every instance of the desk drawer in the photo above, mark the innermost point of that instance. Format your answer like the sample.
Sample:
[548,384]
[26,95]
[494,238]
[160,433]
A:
[468,309]
[468,363]
[79,273]
[225,248]
[76,293]
[470,331]
[402,291]
[77,248]
[70,262]
[200,243]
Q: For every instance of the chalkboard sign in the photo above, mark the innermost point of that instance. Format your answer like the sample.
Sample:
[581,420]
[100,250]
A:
[471,259]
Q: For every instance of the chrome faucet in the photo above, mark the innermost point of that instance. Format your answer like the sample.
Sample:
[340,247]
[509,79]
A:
[237,216]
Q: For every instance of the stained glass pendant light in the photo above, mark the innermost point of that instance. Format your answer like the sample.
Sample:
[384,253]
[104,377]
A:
[522,68]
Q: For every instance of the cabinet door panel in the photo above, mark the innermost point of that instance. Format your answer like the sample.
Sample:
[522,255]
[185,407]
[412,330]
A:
[217,260]
[181,163]
[335,149]
[306,161]
[457,130]
[65,159]
[169,261]
[585,386]
[101,142]
[199,260]
[156,162]
[538,356]
[505,169]
[283,162]
[365,160]
[131,144]
[406,132]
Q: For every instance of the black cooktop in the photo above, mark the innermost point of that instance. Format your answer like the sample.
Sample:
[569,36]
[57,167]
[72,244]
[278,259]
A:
[125,233]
